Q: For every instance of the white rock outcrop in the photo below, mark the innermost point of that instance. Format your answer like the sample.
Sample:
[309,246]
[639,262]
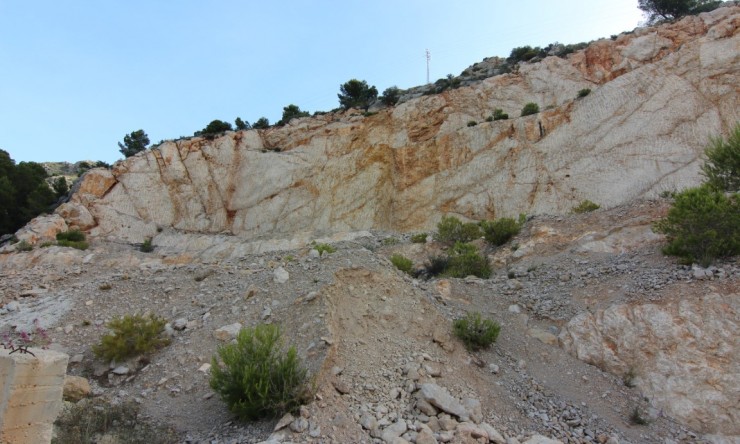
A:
[684,355]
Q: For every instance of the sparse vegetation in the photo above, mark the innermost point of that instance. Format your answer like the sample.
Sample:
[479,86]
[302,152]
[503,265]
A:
[450,230]
[323,248]
[584,92]
[72,239]
[257,377]
[419,238]
[472,123]
[214,128]
[475,332]
[23,246]
[242,124]
[147,246]
[132,335]
[586,206]
[60,186]
[657,10]
[402,263]
[498,232]
[523,54]
[261,123]
[499,114]
[629,378]
[388,241]
[89,420]
[530,108]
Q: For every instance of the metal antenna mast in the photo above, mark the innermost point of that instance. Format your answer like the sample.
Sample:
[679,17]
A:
[429,57]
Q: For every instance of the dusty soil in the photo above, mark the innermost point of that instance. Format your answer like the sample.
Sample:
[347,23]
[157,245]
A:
[365,329]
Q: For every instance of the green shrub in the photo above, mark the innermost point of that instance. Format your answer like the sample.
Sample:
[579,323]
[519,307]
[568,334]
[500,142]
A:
[499,114]
[702,225]
[214,127]
[476,332]
[356,94]
[88,420]
[291,112]
[465,261]
[323,248]
[402,263]
[242,125]
[523,54]
[586,206]
[71,235]
[637,418]
[419,238]
[450,230]
[530,108]
[584,92]
[390,241]
[472,123]
[722,167]
[132,335]
[499,231]
[23,246]
[81,245]
[258,379]
[147,246]
[489,119]
[261,123]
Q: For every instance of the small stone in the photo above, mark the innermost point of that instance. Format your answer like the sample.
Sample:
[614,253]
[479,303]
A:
[76,359]
[341,386]
[227,332]
[493,368]
[514,308]
[314,254]
[493,435]
[286,420]
[304,412]
[205,368]
[311,296]
[300,425]
[368,422]
[180,324]
[280,275]
[440,398]
[88,303]
[121,370]
[266,313]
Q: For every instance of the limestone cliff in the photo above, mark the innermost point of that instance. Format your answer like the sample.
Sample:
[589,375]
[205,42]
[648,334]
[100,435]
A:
[658,95]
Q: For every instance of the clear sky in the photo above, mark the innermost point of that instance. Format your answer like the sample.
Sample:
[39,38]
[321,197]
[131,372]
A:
[76,76]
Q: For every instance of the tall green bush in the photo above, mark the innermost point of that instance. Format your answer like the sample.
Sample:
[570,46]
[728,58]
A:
[722,167]
[258,378]
[356,94]
[464,261]
[703,224]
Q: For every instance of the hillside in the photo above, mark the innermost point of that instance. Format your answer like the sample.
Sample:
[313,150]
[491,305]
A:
[598,327]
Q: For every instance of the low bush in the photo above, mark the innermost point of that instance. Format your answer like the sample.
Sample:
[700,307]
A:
[499,114]
[465,261]
[402,263]
[489,119]
[472,123]
[475,332]
[390,96]
[450,230]
[436,265]
[419,238]
[323,248]
[80,245]
[147,246]
[87,421]
[586,206]
[499,231]
[132,335]
[23,246]
[703,224]
[530,108]
[584,92]
[71,235]
[256,377]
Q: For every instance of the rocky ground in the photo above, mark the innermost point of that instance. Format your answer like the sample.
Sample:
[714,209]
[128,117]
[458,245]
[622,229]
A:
[377,342]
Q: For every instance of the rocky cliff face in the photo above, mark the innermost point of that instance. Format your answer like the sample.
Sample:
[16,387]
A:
[658,95]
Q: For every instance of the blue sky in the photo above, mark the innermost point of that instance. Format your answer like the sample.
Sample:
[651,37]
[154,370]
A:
[76,76]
